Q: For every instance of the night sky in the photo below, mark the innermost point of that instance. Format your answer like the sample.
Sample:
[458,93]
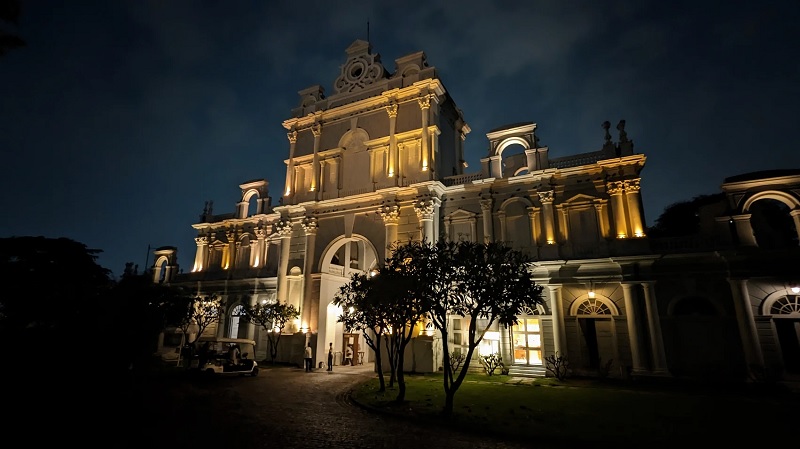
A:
[119,119]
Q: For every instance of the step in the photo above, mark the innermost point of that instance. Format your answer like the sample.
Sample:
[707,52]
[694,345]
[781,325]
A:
[527,371]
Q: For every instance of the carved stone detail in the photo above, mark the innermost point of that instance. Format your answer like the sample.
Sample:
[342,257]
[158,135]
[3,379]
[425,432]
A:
[310,225]
[486,205]
[615,187]
[201,240]
[391,109]
[424,209]
[424,101]
[390,214]
[547,197]
[284,228]
[632,185]
[292,136]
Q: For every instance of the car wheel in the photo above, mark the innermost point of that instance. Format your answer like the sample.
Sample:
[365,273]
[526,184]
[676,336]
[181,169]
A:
[254,373]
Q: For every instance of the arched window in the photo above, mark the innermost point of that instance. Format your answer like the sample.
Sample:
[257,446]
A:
[235,321]
[788,305]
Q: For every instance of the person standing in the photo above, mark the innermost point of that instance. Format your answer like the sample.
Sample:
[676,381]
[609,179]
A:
[308,356]
[330,357]
[348,355]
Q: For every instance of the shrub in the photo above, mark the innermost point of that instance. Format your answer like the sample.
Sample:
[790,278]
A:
[558,365]
[491,362]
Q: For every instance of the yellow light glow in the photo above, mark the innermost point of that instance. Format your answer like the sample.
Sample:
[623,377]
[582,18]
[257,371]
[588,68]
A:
[795,289]
[391,173]
[639,233]
[288,192]
[491,335]
[551,242]
[591,294]
[621,236]
[263,301]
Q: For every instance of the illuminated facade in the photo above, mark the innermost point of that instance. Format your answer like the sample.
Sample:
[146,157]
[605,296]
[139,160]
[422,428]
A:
[381,160]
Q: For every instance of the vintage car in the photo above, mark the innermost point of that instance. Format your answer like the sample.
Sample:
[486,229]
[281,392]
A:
[214,356]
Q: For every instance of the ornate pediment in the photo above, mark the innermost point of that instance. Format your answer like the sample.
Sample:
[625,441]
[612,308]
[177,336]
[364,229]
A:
[361,70]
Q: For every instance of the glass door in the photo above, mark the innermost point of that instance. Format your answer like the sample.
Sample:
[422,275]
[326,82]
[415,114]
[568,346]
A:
[527,335]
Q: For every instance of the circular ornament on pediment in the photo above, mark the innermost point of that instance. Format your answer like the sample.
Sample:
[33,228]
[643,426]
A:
[358,73]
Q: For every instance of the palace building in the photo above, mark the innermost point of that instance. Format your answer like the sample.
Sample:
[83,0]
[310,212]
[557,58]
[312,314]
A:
[381,160]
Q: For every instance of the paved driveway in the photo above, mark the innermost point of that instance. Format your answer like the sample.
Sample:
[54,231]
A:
[280,408]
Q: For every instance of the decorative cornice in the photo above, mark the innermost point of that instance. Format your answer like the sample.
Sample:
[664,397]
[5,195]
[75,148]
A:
[201,240]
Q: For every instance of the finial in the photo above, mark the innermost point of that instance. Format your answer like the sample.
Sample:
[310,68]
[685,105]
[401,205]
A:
[623,136]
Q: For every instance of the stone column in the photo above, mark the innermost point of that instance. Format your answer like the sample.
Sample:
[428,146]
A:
[290,176]
[563,223]
[559,334]
[533,213]
[615,189]
[747,324]
[501,218]
[496,166]
[257,255]
[654,323]
[200,255]
[230,263]
[602,218]
[632,188]
[744,230]
[795,214]
[316,128]
[322,184]
[391,217]
[486,214]
[391,169]
[633,328]
[425,105]
[310,229]
[284,229]
[547,198]
[251,328]
[425,211]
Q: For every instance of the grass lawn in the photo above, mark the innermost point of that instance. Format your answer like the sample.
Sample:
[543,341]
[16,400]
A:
[596,411]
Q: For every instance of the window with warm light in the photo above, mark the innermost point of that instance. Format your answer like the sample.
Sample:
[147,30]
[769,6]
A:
[527,338]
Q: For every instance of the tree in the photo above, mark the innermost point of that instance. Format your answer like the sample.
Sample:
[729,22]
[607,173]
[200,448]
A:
[140,310]
[9,18]
[200,313]
[683,218]
[51,288]
[483,281]
[363,311]
[272,317]
[403,307]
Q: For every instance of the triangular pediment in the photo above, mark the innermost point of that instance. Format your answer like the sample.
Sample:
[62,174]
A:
[461,214]
[580,198]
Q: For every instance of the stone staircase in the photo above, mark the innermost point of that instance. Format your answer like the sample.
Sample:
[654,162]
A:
[527,371]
